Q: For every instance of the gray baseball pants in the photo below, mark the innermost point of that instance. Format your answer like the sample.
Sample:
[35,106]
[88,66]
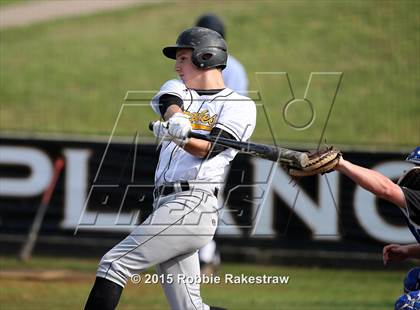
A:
[169,238]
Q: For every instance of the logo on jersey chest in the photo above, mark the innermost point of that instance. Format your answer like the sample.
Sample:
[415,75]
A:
[202,120]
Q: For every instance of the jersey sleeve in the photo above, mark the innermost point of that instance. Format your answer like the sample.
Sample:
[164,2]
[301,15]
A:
[412,199]
[238,118]
[171,87]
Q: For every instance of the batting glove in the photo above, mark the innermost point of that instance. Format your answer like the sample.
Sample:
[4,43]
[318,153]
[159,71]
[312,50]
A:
[179,126]
[160,130]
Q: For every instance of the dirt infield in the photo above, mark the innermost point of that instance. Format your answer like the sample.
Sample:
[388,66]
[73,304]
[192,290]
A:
[27,13]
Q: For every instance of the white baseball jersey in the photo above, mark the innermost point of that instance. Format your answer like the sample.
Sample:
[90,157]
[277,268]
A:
[226,110]
[234,76]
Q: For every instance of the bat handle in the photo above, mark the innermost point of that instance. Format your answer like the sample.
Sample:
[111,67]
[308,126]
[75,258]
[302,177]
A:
[152,123]
[190,134]
[199,136]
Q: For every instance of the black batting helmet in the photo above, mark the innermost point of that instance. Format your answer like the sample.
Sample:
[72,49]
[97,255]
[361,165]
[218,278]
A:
[209,48]
[212,22]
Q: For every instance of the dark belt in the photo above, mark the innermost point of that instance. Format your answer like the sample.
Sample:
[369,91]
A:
[183,186]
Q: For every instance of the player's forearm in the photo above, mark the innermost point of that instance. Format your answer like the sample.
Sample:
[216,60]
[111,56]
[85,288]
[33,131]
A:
[366,178]
[172,109]
[413,250]
[197,147]
[372,181]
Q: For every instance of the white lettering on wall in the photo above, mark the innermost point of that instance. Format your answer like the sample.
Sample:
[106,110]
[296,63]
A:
[320,217]
[39,164]
[76,183]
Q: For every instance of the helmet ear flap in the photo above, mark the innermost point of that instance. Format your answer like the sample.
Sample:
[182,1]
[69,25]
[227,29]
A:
[196,59]
[209,57]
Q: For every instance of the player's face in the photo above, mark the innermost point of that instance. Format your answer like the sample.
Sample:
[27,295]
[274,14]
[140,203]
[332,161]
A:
[184,67]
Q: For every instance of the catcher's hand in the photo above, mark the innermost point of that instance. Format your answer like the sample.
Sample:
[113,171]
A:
[320,162]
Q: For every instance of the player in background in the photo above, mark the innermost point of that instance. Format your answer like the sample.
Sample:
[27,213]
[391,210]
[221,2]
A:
[405,195]
[234,76]
[188,176]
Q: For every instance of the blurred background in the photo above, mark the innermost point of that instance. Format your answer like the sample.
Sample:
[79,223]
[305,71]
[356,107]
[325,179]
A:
[76,79]
[58,75]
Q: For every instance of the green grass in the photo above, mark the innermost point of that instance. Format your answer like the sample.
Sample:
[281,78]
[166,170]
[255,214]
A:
[308,288]
[8,2]
[71,75]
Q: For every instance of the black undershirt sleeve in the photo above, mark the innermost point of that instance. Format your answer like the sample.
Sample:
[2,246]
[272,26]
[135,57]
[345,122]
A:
[167,100]
[217,148]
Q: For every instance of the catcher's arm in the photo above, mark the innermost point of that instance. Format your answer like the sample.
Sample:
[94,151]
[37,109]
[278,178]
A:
[396,252]
[373,181]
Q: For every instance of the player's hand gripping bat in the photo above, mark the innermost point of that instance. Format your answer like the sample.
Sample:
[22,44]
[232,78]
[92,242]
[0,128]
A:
[296,163]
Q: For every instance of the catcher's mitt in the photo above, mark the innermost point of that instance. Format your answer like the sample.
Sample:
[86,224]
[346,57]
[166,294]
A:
[321,161]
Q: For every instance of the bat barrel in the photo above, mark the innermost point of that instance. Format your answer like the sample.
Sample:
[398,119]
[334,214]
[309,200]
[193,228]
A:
[299,158]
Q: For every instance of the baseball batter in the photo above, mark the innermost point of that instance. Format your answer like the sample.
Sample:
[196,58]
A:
[405,195]
[234,77]
[188,175]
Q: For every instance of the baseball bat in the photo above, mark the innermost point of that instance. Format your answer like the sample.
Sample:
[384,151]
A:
[28,246]
[270,152]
